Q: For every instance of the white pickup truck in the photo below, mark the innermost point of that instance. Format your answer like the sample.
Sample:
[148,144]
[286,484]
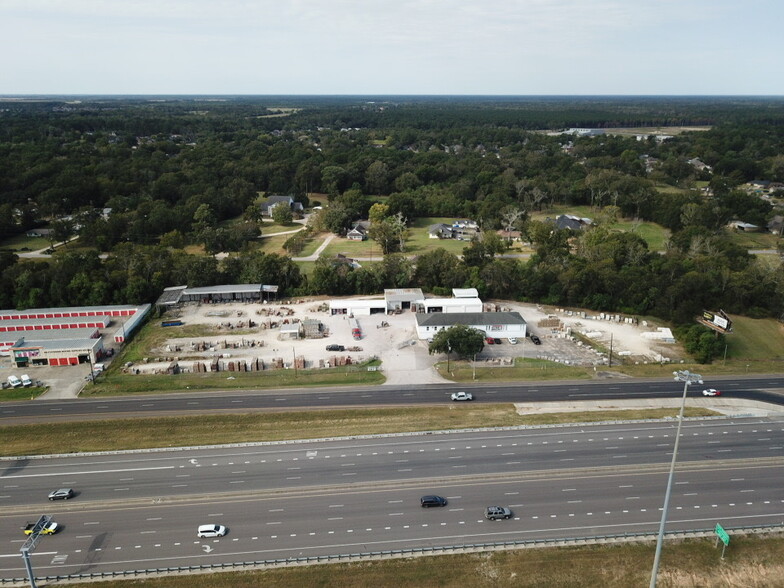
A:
[14,382]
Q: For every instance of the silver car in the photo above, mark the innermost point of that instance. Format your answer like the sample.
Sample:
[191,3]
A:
[494,513]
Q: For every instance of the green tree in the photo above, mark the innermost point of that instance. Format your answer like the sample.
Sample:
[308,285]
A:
[282,214]
[460,339]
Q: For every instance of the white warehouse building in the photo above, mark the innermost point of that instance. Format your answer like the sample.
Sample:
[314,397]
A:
[494,324]
[448,305]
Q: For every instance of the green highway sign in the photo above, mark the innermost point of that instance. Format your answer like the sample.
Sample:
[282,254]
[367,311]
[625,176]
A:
[725,538]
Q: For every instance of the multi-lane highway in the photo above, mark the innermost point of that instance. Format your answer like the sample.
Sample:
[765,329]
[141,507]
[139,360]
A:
[754,388]
[141,510]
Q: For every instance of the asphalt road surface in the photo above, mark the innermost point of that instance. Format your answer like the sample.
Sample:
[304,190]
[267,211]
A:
[763,388]
[140,510]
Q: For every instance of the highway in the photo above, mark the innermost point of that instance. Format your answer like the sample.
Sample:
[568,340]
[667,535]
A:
[762,388]
[139,510]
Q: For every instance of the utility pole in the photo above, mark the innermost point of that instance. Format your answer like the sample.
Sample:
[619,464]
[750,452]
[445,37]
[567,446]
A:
[687,378]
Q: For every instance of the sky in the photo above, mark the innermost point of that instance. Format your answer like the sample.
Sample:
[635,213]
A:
[382,47]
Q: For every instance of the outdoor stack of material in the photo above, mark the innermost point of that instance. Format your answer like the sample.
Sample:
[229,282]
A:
[549,323]
[299,363]
[215,365]
[173,369]
[199,367]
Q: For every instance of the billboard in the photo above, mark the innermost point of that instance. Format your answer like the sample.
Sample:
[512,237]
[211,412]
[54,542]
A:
[718,321]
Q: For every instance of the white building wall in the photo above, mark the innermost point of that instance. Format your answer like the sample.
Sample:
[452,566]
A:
[357,307]
[494,330]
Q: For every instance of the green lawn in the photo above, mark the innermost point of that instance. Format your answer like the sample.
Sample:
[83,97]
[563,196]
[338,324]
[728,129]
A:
[20,393]
[24,243]
[755,339]
[763,240]
[211,429]
[419,240]
[654,235]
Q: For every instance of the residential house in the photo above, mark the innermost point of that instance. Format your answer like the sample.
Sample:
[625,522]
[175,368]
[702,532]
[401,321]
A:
[464,230]
[270,203]
[439,231]
[359,232]
[699,165]
[341,259]
[776,225]
[571,222]
[744,227]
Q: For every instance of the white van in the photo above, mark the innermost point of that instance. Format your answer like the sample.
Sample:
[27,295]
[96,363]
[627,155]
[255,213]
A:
[14,382]
[26,381]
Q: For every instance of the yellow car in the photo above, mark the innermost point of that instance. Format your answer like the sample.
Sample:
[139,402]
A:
[49,529]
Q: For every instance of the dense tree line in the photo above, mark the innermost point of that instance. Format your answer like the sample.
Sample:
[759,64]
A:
[180,171]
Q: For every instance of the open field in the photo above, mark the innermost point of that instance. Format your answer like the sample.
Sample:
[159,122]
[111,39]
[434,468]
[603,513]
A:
[750,561]
[755,339]
[119,434]
[762,240]
[116,384]
[24,243]
[654,235]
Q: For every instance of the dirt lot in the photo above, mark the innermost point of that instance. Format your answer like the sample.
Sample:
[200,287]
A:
[401,363]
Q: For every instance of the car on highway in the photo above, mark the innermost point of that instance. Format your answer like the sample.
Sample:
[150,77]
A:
[711,392]
[211,531]
[536,340]
[496,513]
[61,494]
[49,528]
[459,396]
[432,500]
[334,347]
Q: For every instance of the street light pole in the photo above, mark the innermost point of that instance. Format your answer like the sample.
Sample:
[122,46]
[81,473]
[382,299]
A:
[687,378]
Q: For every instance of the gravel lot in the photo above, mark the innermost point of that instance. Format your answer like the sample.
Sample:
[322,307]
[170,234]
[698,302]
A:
[401,363]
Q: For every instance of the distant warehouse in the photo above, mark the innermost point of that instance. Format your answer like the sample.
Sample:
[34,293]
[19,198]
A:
[176,295]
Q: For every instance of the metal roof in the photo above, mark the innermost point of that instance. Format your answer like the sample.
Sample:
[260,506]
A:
[224,289]
[107,308]
[448,319]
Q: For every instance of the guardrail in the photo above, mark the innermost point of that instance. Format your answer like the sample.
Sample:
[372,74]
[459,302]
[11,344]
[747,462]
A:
[397,553]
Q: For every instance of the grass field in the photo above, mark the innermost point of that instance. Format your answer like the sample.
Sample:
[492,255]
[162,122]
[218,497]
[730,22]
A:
[119,434]
[654,235]
[755,339]
[763,240]
[10,394]
[24,243]
[750,562]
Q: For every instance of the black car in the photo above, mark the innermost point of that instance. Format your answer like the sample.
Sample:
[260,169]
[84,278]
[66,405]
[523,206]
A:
[536,340]
[432,500]
[334,347]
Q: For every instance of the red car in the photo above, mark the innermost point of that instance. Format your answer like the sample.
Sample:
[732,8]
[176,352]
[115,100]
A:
[489,341]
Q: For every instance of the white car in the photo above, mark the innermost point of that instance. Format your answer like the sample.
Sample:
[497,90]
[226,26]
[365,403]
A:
[457,396]
[512,340]
[711,392]
[26,381]
[211,531]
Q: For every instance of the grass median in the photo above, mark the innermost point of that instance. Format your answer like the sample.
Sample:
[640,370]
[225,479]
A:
[751,562]
[119,434]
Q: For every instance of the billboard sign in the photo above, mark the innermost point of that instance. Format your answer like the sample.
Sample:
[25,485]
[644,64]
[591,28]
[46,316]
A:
[718,321]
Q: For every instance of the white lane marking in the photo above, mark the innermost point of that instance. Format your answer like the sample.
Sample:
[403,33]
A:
[85,473]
